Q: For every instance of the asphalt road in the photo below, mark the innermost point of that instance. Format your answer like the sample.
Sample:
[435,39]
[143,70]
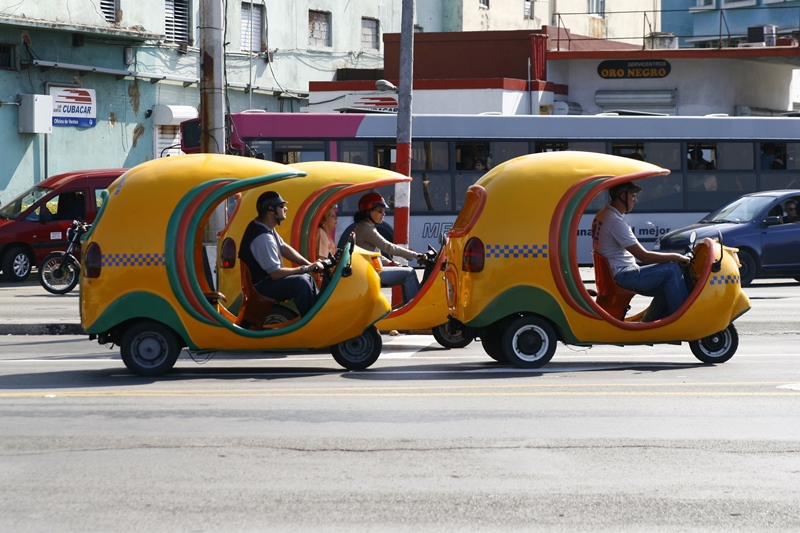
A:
[605,439]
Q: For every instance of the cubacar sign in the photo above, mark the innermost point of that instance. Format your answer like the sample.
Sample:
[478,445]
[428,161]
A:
[74,107]
[650,68]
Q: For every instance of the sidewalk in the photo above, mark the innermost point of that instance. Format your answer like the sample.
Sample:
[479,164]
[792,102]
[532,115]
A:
[27,309]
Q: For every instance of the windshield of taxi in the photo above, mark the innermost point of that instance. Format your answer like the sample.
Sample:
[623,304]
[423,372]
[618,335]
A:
[22,202]
[744,209]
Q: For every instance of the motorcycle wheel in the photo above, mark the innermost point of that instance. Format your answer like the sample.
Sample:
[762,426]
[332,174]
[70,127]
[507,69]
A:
[452,334]
[360,352]
[716,348]
[59,273]
[149,348]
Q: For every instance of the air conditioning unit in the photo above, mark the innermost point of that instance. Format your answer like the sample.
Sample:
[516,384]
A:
[764,33]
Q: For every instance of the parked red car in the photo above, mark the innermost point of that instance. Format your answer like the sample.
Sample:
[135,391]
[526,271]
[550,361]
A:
[36,222]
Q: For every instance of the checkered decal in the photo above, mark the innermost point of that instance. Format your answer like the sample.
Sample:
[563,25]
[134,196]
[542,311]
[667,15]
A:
[516,251]
[138,260]
[729,279]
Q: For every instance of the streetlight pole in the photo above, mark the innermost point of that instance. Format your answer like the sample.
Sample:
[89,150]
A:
[402,191]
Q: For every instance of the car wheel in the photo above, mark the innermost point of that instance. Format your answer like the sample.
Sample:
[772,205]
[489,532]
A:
[149,348]
[360,352]
[747,272]
[492,343]
[529,342]
[16,264]
[716,348]
[453,334]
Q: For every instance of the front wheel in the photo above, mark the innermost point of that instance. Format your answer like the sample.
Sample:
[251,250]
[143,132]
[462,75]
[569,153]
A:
[16,264]
[59,273]
[360,352]
[716,348]
[747,272]
[529,342]
[453,334]
[149,348]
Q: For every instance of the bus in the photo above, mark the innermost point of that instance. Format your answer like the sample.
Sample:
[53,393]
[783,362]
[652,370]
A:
[712,159]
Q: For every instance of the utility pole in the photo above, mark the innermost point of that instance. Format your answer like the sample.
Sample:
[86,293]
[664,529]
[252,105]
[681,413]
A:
[212,97]
[402,191]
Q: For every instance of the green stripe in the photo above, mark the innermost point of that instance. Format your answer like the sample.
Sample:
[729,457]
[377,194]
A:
[306,229]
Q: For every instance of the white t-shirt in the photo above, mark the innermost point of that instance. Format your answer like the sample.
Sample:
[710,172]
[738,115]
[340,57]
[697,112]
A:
[610,238]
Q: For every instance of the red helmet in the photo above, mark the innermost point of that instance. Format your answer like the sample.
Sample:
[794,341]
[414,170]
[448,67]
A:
[370,201]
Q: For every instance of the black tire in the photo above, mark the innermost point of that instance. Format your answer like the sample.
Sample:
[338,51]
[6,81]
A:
[453,334]
[279,315]
[529,342]
[716,348]
[747,272]
[59,273]
[16,264]
[360,352]
[492,343]
[149,348]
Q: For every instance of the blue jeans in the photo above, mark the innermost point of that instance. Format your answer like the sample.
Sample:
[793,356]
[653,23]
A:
[663,281]
[299,287]
[405,276]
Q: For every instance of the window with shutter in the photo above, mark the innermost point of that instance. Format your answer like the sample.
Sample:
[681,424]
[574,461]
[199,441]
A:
[168,141]
[109,9]
[252,22]
[6,57]
[176,21]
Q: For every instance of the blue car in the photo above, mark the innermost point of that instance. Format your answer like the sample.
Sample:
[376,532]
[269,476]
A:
[759,225]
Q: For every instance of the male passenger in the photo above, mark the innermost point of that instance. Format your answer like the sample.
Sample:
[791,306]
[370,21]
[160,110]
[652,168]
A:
[612,238]
[262,250]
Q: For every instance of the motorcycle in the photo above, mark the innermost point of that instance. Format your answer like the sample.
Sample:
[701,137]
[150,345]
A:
[59,273]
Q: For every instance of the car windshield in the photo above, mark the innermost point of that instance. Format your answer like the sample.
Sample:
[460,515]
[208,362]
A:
[744,209]
[23,202]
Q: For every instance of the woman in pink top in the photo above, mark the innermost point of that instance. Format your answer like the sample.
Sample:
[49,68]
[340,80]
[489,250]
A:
[325,232]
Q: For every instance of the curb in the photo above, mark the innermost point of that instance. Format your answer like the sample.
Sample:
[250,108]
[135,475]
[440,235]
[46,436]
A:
[41,329]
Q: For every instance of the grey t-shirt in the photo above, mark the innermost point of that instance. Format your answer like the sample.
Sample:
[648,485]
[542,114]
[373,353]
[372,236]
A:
[610,238]
[266,248]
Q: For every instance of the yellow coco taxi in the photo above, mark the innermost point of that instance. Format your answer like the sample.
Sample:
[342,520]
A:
[517,281]
[326,183]
[144,286]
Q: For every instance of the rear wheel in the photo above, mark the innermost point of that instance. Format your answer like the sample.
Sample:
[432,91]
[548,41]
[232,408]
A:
[747,272]
[716,348]
[360,352]
[492,343]
[279,315]
[16,264]
[453,334]
[529,342]
[59,273]
[149,348]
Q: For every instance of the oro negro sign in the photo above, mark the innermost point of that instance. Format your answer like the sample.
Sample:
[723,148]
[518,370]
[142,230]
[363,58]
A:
[649,68]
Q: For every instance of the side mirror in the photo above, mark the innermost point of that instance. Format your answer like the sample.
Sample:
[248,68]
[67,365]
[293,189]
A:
[772,220]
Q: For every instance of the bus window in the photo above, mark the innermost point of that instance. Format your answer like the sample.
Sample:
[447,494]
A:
[632,150]
[430,155]
[288,152]
[384,155]
[598,147]
[550,147]
[663,154]
[259,148]
[354,152]
[774,156]
[661,193]
[735,156]
[709,190]
[469,152]
[432,192]
[500,152]
[701,156]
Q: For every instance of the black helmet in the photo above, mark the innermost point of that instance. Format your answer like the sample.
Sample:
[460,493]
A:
[617,190]
[268,201]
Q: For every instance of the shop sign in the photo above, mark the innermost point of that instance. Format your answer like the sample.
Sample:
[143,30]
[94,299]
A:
[74,107]
[621,69]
